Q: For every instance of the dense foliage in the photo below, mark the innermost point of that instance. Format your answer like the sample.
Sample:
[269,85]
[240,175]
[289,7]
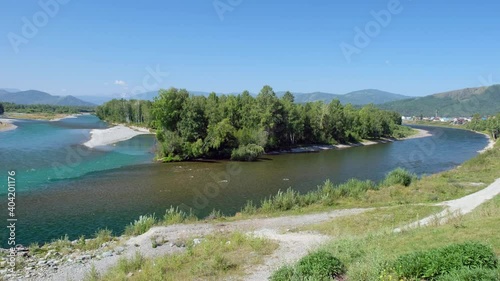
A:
[319,265]
[243,126]
[441,261]
[44,108]
[126,111]
[490,125]
[1,109]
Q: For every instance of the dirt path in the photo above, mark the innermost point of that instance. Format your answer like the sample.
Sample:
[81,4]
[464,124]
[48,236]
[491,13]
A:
[462,206]
[292,245]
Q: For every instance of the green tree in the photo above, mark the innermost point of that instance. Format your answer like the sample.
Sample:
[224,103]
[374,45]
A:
[1,109]
[167,108]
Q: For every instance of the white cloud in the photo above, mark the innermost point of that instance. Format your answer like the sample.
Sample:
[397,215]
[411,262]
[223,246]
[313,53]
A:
[120,82]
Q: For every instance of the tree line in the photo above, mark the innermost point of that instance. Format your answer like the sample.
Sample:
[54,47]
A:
[490,125]
[43,108]
[242,127]
[126,111]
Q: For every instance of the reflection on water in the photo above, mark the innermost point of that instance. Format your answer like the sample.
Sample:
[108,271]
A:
[114,198]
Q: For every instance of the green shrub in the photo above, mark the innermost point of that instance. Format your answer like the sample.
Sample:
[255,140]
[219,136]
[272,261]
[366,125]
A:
[249,208]
[92,274]
[320,265]
[215,215]
[284,273]
[436,262]
[248,152]
[140,226]
[130,265]
[317,266]
[353,188]
[175,216]
[399,176]
[474,274]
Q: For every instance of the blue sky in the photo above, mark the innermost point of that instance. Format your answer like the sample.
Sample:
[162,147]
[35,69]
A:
[103,47]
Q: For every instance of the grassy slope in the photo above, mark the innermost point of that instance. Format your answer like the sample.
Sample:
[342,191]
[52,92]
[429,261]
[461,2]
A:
[367,254]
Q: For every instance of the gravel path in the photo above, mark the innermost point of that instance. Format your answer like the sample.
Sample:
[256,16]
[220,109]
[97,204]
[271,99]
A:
[292,245]
[462,206]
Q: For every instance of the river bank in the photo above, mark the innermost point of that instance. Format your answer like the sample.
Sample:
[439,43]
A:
[491,143]
[39,116]
[317,148]
[288,231]
[6,125]
[100,137]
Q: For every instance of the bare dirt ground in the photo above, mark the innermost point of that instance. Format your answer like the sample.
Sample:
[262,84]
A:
[292,246]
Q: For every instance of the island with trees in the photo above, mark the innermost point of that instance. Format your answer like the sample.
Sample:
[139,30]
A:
[242,127]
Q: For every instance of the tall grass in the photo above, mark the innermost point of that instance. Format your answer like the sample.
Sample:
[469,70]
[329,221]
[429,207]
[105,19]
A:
[218,257]
[175,216]
[140,226]
[326,194]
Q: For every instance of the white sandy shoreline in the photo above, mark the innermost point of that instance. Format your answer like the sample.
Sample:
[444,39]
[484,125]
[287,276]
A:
[8,125]
[65,117]
[316,148]
[491,143]
[100,137]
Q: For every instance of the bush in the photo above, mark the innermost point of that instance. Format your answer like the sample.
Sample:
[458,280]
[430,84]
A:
[248,152]
[437,262]
[320,265]
[140,226]
[472,275]
[284,273]
[249,208]
[130,265]
[353,188]
[175,216]
[399,176]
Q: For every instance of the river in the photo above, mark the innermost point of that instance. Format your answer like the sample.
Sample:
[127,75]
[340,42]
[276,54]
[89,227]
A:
[65,188]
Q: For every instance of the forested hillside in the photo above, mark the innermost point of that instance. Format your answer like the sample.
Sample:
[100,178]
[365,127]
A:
[241,127]
[465,102]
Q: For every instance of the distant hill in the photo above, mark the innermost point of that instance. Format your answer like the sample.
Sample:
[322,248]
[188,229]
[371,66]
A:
[39,97]
[98,100]
[10,90]
[356,98]
[464,102]
[361,97]
[370,96]
[316,96]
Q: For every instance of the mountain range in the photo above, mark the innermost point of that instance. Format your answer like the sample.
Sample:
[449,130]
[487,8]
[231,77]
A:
[464,102]
[356,98]
[39,97]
